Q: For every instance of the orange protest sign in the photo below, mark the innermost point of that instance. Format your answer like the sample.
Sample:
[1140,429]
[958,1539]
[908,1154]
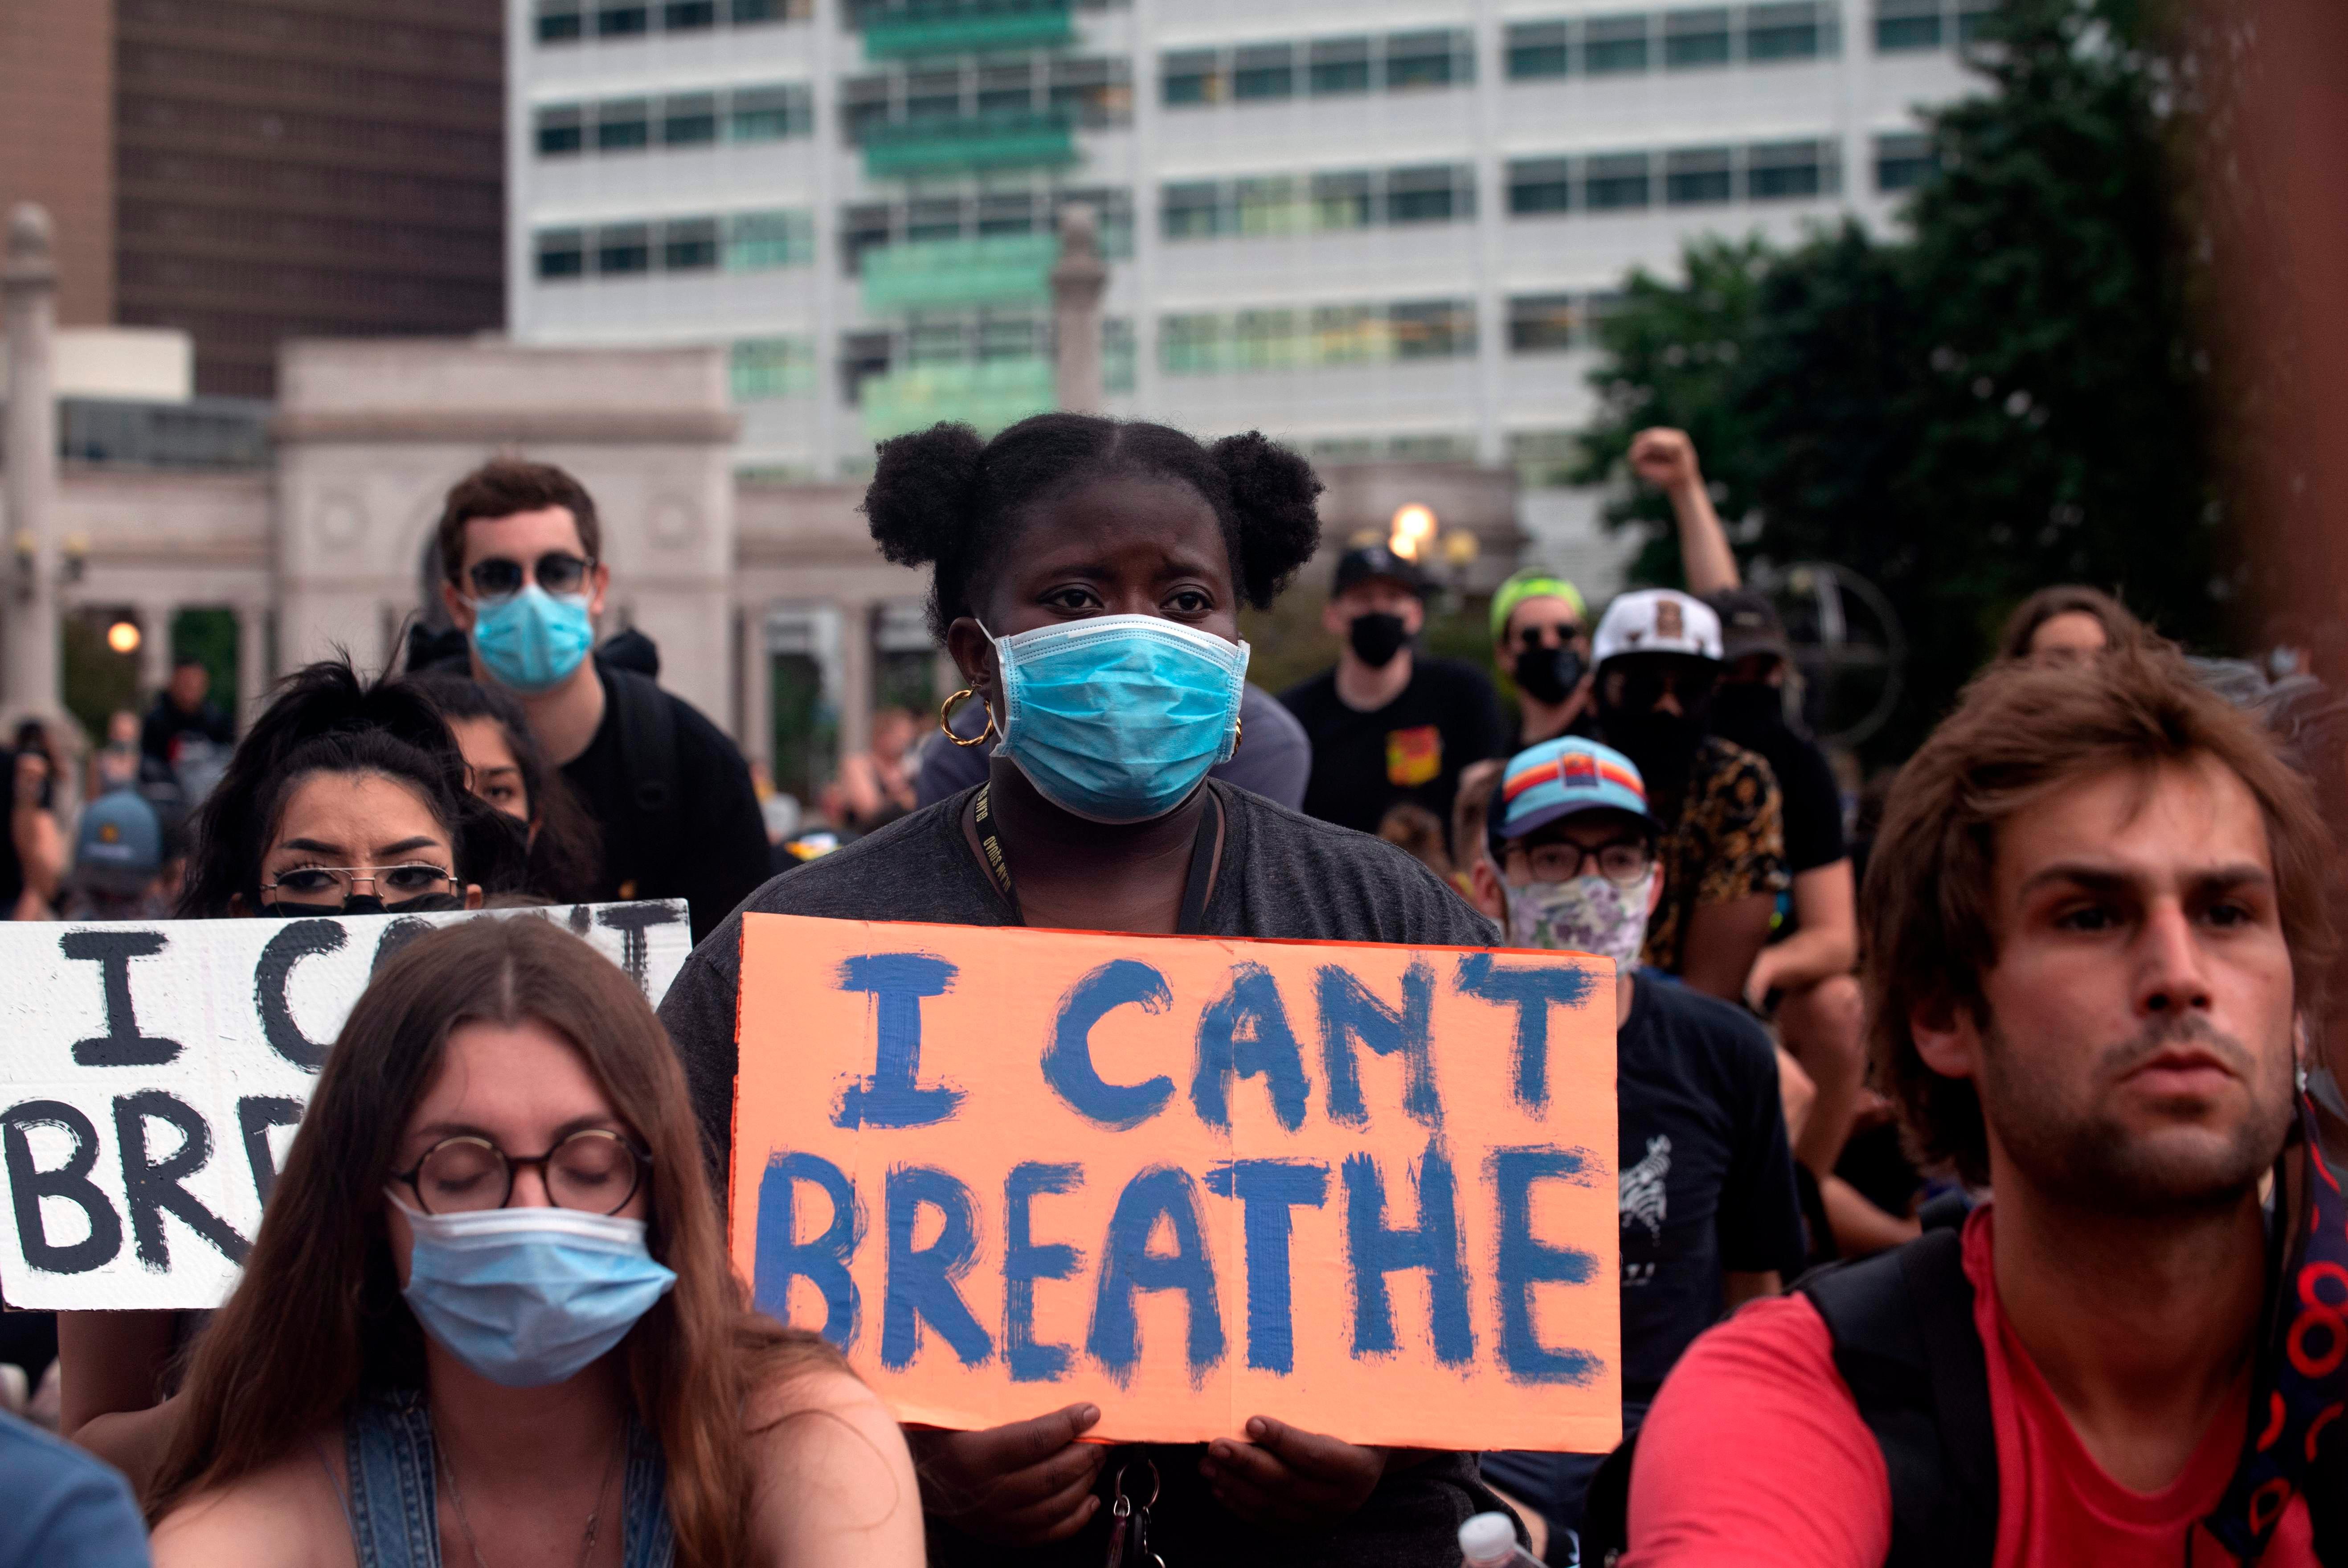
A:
[1367,1189]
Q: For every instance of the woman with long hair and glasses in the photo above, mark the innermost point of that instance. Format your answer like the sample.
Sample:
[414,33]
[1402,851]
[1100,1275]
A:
[346,797]
[507,768]
[489,1317]
[1086,577]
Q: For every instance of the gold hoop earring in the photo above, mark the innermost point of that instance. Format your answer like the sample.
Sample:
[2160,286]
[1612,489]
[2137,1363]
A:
[945,719]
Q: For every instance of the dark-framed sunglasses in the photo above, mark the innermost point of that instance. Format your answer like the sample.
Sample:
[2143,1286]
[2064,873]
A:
[595,1170]
[557,572]
[1533,637]
[1644,681]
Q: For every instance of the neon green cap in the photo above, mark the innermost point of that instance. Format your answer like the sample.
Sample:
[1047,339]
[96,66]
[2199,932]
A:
[1533,583]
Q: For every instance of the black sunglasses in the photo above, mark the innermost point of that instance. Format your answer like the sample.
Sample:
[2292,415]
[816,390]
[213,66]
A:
[557,572]
[1533,637]
[1645,680]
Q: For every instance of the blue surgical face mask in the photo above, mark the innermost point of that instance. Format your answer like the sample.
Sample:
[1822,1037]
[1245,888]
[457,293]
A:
[527,1297]
[533,640]
[1117,718]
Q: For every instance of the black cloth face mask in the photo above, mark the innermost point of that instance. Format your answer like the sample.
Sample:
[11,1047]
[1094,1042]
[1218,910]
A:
[1376,637]
[367,903]
[1547,674]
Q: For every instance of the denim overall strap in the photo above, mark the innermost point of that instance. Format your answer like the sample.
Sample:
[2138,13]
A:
[395,1512]
[649,1541]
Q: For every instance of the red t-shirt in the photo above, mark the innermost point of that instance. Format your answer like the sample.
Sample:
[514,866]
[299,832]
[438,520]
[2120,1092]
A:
[1754,1455]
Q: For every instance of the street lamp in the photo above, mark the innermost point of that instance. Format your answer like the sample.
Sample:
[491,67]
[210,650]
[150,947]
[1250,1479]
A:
[123,637]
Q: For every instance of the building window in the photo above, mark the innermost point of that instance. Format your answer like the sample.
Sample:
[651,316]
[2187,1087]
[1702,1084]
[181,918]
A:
[689,120]
[1095,92]
[1433,329]
[1188,77]
[1264,71]
[1902,25]
[1117,353]
[1973,18]
[1697,176]
[1340,65]
[763,368]
[562,253]
[770,114]
[862,229]
[862,356]
[1543,323]
[1112,215]
[623,248]
[863,107]
[1788,171]
[1791,32]
[561,131]
[1415,60]
[1696,39]
[688,15]
[753,11]
[1544,458]
[1006,89]
[623,125]
[1274,204]
[622,19]
[1438,195]
[1012,214]
[1616,182]
[936,219]
[933,95]
[1903,160]
[689,244]
[1342,200]
[758,242]
[1191,344]
[1613,44]
[1539,185]
[1267,340]
[1192,211]
[1536,49]
[558,21]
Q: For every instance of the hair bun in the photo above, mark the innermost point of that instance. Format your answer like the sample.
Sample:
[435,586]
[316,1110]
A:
[1276,493]
[919,500]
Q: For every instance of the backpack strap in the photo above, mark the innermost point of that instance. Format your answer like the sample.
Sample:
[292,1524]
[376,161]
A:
[1904,1341]
[648,753]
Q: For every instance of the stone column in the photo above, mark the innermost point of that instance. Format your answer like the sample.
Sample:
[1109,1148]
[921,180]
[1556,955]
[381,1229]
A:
[252,672]
[856,682]
[29,282]
[757,678]
[154,648]
[1078,278]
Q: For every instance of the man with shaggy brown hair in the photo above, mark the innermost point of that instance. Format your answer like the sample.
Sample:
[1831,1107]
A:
[2092,919]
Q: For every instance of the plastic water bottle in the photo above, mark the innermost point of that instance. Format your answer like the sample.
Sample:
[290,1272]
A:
[1489,1541]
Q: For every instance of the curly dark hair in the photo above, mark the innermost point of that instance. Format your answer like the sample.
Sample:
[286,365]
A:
[325,719]
[943,499]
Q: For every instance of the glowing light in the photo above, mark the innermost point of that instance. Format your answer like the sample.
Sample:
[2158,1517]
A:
[1413,529]
[123,636]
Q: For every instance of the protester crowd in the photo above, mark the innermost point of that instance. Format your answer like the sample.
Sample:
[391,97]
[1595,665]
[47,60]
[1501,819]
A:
[1959,1210]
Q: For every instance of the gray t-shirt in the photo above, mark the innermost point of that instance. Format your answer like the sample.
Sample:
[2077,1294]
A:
[1281,875]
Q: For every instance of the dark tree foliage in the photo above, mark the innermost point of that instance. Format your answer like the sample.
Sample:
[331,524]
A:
[2009,395]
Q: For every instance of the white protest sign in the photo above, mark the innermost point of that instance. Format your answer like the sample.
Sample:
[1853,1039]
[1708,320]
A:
[152,1073]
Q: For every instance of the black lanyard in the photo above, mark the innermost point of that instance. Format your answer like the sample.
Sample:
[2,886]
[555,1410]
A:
[1193,921]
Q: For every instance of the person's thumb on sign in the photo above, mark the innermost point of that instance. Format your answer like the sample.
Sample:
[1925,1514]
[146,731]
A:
[1285,1476]
[1019,1485]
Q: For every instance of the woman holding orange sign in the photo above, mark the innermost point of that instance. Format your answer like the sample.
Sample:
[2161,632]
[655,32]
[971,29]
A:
[1086,578]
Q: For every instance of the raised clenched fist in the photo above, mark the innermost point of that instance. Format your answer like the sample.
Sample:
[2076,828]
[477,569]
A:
[1665,458]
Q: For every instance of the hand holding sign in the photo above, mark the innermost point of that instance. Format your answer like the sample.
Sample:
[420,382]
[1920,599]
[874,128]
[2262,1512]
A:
[1190,1181]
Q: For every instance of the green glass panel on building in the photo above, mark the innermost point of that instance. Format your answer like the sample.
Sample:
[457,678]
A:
[942,147]
[988,396]
[968,30]
[934,275]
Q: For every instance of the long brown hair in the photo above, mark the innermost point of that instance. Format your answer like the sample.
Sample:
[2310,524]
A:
[317,1318]
[2021,733]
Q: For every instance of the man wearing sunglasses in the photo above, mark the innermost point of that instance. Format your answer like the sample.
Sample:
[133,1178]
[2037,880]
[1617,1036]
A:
[1709,1214]
[1540,635]
[671,796]
[1722,842]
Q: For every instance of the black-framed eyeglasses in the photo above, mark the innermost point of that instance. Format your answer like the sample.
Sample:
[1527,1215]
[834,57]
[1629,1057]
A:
[322,884]
[557,572]
[595,1170]
[1622,862]
[1535,636]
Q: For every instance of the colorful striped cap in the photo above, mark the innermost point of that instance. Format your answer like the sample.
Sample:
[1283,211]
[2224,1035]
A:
[1560,778]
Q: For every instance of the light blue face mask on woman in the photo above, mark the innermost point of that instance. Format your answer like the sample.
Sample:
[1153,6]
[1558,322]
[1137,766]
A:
[1118,717]
[533,640]
[526,1297]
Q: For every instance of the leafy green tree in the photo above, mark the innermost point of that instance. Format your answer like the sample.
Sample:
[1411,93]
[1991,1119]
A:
[2009,396]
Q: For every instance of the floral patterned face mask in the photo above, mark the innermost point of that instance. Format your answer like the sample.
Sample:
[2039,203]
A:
[1588,914]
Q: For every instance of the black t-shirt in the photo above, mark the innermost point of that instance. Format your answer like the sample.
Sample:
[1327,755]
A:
[719,852]
[1706,1175]
[1411,749]
[1813,800]
[167,722]
[1281,875]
